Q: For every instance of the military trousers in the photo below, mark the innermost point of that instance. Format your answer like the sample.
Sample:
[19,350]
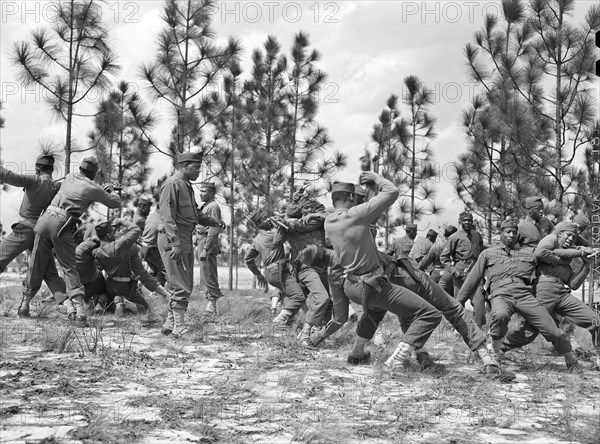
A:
[476,300]
[412,310]
[450,308]
[180,272]
[446,282]
[127,290]
[46,240]
[209,277]
[318,298]
[294,298]
[152,257]
[504,306]
[557,300]
[20,239]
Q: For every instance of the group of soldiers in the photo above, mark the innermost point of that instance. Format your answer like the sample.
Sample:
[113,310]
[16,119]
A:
[102,263]
[318,260]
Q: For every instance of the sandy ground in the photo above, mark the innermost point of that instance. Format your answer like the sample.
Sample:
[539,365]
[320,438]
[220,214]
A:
[240,380]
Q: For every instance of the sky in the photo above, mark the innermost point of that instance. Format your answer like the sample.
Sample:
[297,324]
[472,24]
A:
[367,49]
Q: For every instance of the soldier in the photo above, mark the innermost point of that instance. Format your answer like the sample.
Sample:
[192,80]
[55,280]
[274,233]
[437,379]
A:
[90,275]
[556,279]
[277,268]
[439,275]
[348,230]
[422,246]
[459,256]
[180,215]
[404,244]
[583,223]
[535,225]
[142,211]
[149,247]
[509,270]
[55,228]
[116,255]
[209,246]
[314,276]
[39,189]
[420,283]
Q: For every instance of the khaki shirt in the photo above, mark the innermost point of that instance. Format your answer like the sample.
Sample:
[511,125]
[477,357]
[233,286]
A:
[150,233]
[262,246]
[555,261]
[178,210]
[433,255]
[113,256]
[462,250]
[349,231]
[531,232]
[212,243]
[509,271]
[402,246]
[77,193]
[420,248]
[39,192]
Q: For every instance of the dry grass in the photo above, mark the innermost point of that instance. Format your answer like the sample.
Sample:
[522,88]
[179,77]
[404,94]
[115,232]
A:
[241,380]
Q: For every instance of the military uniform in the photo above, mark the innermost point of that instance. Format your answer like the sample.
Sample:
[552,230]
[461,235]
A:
[39,192]
[209,246]
[348,230]
[114,257]
[179,214]
[458,257]
[277,268]
[403,245]
[509,271]
[420,248]
[553,289]
[439,274]
[91,277]
[149,247]
[76,194]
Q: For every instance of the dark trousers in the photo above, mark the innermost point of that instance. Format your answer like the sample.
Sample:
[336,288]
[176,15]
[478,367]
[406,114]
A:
[557,300]
[152,257]
[42,261]
[477,301]
[420,317]
[452,310]
[180,272]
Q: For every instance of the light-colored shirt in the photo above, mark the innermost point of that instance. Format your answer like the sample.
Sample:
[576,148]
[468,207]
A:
[39,192]
[349,230]
[77,193]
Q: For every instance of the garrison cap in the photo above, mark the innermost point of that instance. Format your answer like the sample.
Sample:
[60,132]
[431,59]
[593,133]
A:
[582,220]
[432,232]
[565,226]
[450,230]
[346,187]
[103,228]
[294,210]
[209,186]
[257,215]
[189,157]
[533,202]
[509,223]
[89,164]
[465,215]
[410,227]
[45,160]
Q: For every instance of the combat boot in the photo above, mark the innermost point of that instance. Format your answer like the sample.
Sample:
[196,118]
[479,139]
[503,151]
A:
[211,310]
[79,308]
[23,310]
[495,373]
[167,327]
[304,335]
[119,306]
[494,349]
[358,355]
[399,359]
[573,364]
[283,318]
[426,363]
[274,303]
[70,308]
[179,327]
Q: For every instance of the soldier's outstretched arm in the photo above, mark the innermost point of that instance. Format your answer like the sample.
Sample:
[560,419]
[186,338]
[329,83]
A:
[473,278]
[16,180]
[548,251]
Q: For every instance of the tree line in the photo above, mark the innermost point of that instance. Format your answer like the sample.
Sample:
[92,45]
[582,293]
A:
[526,131]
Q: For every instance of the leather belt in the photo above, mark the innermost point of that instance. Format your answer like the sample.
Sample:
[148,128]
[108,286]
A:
[510,280]
[556,279]
[355,278]
[56,210]
[120,279]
